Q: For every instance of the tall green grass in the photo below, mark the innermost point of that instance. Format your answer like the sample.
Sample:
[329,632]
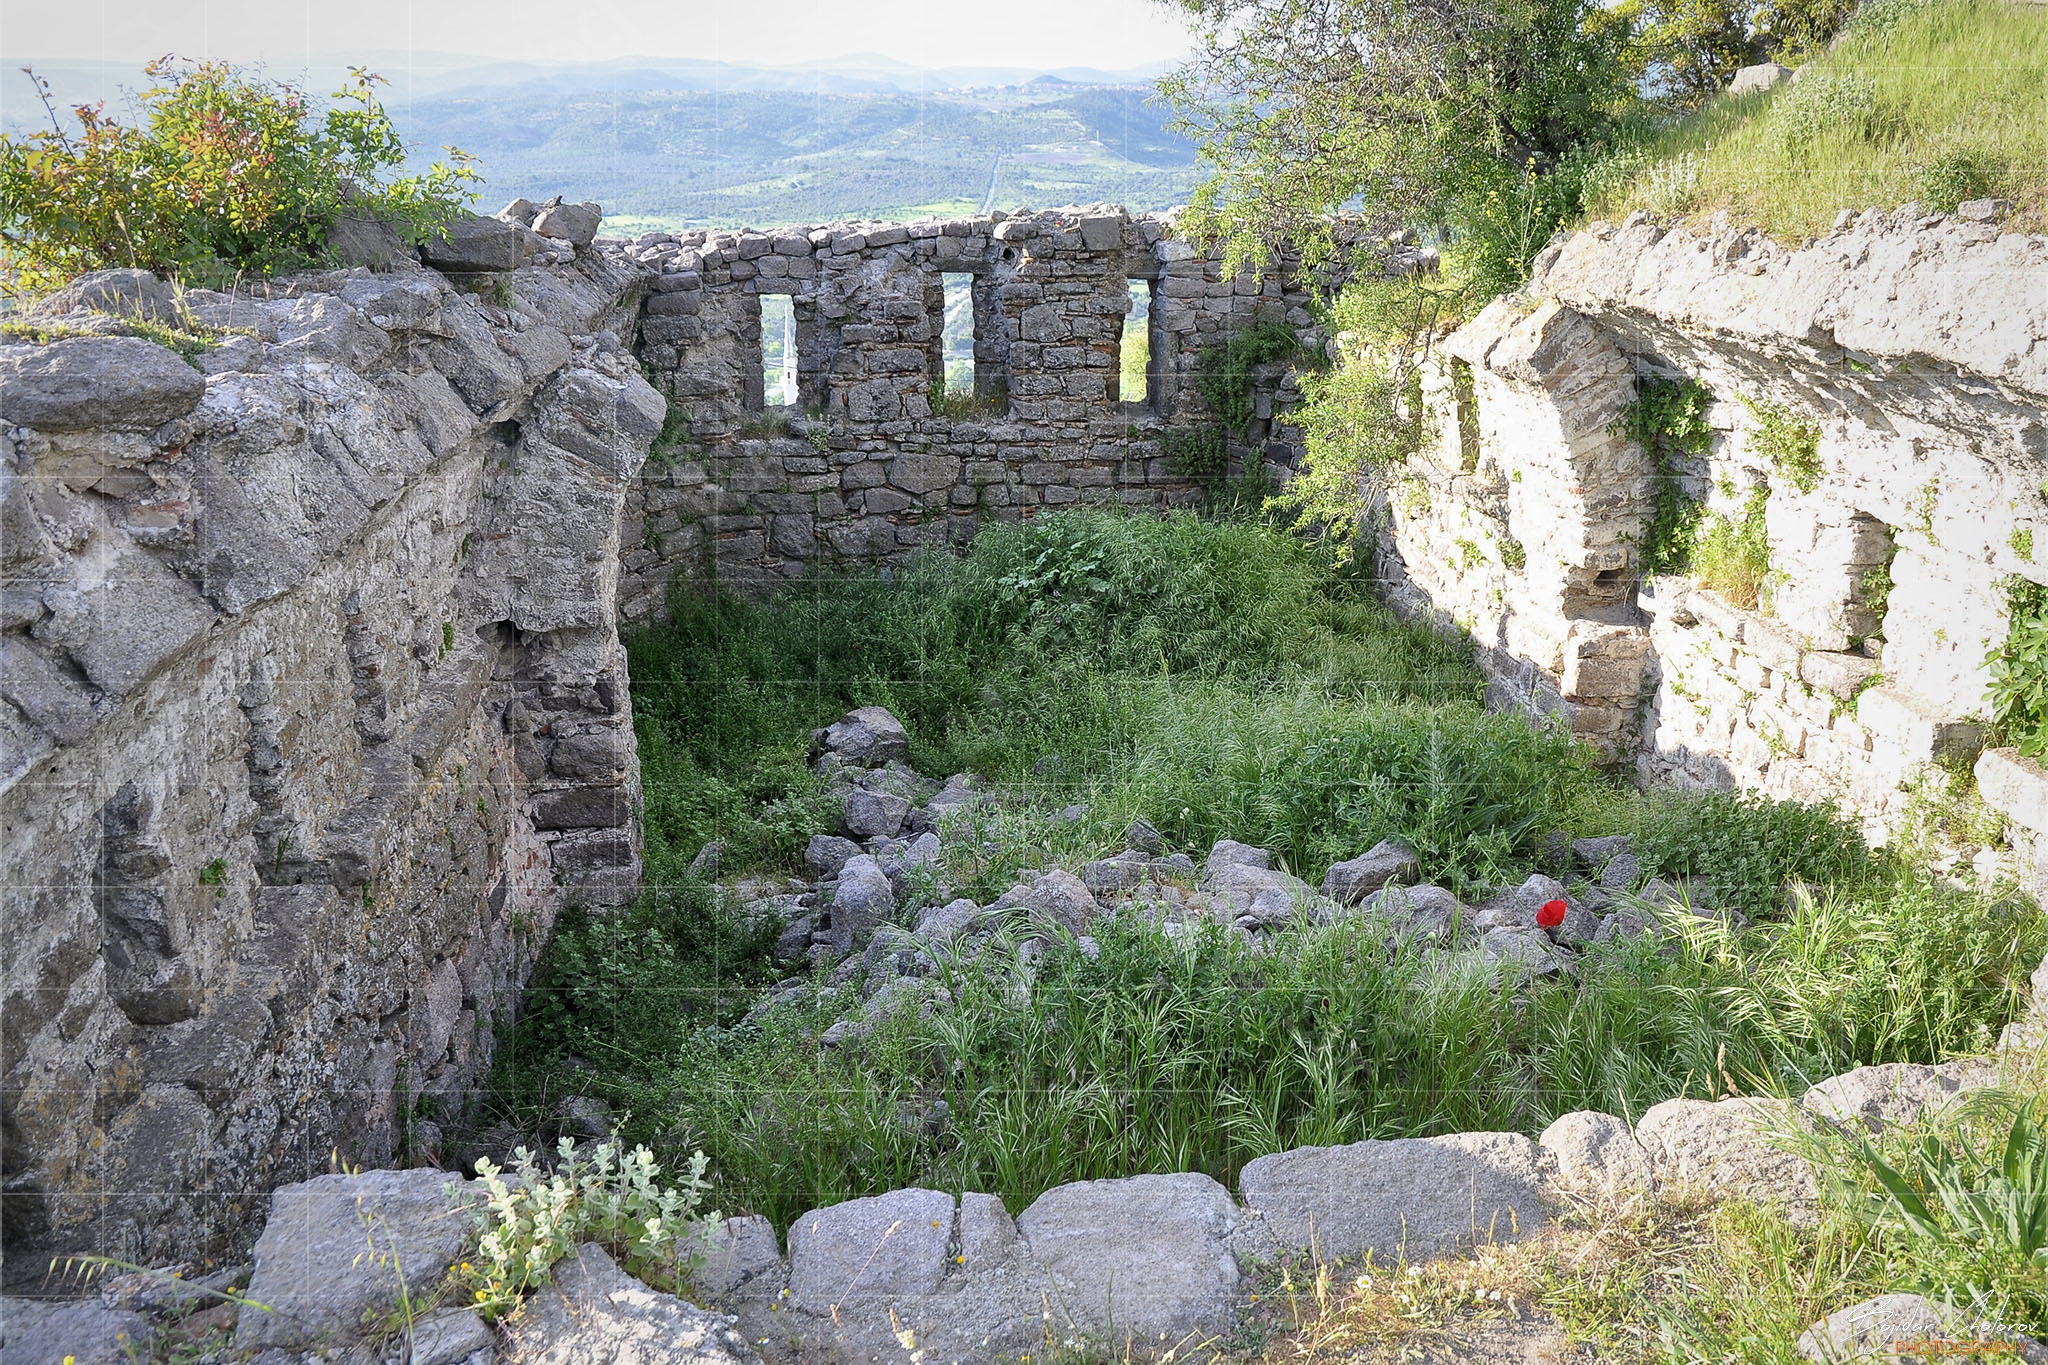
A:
[1927,100]
[1200,1053]
[1217,679]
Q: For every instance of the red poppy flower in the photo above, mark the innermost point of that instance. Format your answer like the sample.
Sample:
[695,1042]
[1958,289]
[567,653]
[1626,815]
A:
[1552,914]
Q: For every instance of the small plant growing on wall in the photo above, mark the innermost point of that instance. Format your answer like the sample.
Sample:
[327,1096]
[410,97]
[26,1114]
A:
[1223,374]
[2019,668]
[1668,419]
[1790,443]
[1195,452]
[1733,555]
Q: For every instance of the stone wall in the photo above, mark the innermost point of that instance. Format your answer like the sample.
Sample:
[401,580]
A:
[1912,340]
[863,470]
[314,715]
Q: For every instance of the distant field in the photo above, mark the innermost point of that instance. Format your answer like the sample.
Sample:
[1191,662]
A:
[694,158]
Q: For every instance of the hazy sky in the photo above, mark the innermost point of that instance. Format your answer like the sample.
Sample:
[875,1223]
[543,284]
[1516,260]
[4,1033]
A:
[1110,34]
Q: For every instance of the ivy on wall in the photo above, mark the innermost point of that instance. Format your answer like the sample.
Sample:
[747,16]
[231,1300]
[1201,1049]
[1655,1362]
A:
[2019,668]
[1790,443]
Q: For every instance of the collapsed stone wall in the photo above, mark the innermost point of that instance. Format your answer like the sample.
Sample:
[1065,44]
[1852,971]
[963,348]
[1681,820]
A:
[315,714]
[864,469]
[1914,341]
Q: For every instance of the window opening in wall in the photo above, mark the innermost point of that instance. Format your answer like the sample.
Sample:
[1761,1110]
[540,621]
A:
[1134,384]
[958,335]
[778,351]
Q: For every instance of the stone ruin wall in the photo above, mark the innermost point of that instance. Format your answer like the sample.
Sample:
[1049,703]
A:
[1917,345]
[315,715]
[868,472]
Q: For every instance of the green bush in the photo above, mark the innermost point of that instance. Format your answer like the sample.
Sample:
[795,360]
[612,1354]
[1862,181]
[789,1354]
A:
[1954,176]
[1668,419]
[1789,442]
[228,173]
[1749,846]
[1223,373]
[1825,102]
[2019,668]
[1733,556]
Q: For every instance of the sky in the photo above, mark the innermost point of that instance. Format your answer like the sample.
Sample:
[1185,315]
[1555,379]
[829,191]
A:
[287,34]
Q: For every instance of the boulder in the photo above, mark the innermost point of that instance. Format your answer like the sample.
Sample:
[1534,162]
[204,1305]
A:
[332,1254]
[1144,836]
[1868,1331]
[874,815]
[949,922]
[1427,912]
[593,1313]
[828,853]
[96,383]
[1597,853]
[575,224]
[862,900]
[1385,862]
[1595,1152]
[866,735]
[451,1335]
[1060,898]
[882,1247]
[137,295]
[1724,1147]
[356,239]
[472,245]
[77,1332]
[740,1256]
[1402,1197]
[988,1235]
[1240,885]
[1107,875]
[1894,1093]
[1754,80]
[1229,852]
[1138,1259]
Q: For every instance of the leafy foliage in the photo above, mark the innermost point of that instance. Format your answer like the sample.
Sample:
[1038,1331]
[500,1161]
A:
[1196,452]
[228,173]
[1223,374]
[1838,102]
[609,1196]
[1789,442]
[1749,846]
[1957,174]
[1304,107]
[1733,555]
[2019,668]
[1668,419]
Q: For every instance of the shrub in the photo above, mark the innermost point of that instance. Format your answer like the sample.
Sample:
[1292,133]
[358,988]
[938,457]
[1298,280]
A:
[2019,668]
[1733,556]
[1748,846]
[1223,373]
[1826,102]
[1956,175]
[1668,419]
[1790,443]
[613,1197]
[228,173]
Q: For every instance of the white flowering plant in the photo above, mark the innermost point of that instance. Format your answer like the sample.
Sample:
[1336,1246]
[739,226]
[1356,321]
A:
[533,1217]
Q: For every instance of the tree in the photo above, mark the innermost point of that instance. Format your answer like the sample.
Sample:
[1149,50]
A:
[226,173]
[1402,110]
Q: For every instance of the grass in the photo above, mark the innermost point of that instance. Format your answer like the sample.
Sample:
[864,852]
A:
[1217,679]
[1921,100]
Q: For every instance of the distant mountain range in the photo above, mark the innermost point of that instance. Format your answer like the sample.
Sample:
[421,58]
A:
[676,142]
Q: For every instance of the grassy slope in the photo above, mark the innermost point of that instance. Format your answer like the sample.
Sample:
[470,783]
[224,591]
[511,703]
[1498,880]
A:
[1957,83]
[1217,679]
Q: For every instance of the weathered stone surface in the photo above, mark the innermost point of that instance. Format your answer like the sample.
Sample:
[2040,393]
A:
[874,815]
[1417,912]
[1144,1258]
[1230,853]
[1405,1197]
[575,224]
[742,1256]
[593,1313]
[35,1332]
[1725,1147]
[337,1248]
[1869,1330]
[107,383]
[1754,80]
[868,734]
[1059,899]
[2015,786]
[881,1247]
[827,853]
[1386,861]
[1893,1093]
[451,1335]
[862,900]
[473,245]
[1596,1152]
